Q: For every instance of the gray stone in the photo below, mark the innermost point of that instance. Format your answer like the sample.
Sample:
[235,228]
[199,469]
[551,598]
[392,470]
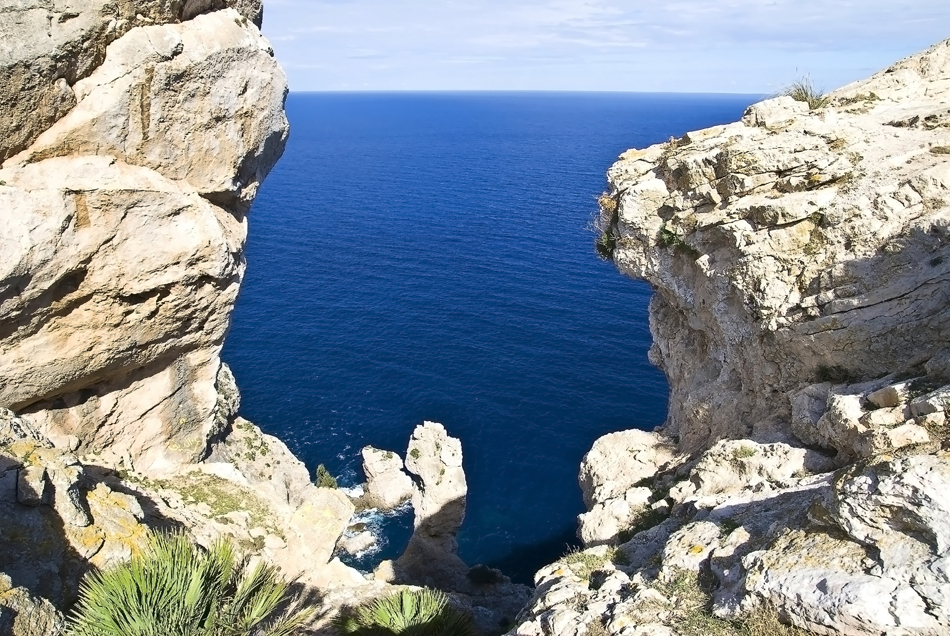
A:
[22,614]
[32,486]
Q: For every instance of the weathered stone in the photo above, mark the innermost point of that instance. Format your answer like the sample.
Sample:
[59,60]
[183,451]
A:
[32,485]
[605,521]
[359,542]
[253,10]
[121,106]
[22,614]
[934,402]
[889,396]
[438,503]
[823,260]
[387,485]
[103,357]
[317,524]
[617,461]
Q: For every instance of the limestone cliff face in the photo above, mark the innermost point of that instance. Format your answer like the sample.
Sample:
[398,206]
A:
[792,247]
[133,150]
[800,259]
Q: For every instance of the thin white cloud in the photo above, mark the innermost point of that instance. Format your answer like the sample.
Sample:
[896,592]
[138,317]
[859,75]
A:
[576,44]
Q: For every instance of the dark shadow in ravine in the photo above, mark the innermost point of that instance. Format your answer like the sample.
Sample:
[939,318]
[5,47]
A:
[520,562]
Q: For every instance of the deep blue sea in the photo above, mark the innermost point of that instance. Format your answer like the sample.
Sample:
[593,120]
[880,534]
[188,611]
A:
[425,256]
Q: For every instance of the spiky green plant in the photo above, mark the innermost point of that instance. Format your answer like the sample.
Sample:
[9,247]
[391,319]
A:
[422,612]
[803,90]
[174,588]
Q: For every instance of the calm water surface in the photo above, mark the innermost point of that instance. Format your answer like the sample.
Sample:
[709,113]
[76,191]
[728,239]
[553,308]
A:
[425,256]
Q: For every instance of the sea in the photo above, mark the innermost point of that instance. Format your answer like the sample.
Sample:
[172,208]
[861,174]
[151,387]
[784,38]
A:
[428,256]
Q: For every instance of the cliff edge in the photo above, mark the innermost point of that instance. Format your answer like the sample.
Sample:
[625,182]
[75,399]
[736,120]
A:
[801,264]
[794,247]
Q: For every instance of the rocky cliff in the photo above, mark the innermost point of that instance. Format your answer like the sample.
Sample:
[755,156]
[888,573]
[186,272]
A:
[134,137]
[138,149]
[801,263]
[793,247]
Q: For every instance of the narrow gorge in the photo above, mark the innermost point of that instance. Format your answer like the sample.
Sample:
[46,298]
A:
[801,267]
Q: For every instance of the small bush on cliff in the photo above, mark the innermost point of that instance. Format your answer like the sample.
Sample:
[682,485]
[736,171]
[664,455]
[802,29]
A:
[174,588]
[422,612]
[324,478]
[802,90]
[603,225]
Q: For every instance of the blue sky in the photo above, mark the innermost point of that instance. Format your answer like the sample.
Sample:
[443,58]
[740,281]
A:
[738,46]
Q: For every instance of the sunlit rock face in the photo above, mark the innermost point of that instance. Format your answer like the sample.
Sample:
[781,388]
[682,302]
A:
[801,261]
[123,224]
[792,247]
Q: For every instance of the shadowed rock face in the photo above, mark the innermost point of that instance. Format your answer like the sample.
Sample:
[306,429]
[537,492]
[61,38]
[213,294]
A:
[791,244]
[123,236]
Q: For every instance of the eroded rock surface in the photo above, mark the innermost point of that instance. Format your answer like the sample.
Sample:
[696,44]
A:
[123,235]
[431,558]
[387,484]
[791,247]
[47,46]
[801,315]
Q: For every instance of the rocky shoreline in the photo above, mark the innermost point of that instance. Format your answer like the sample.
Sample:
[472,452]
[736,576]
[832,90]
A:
[801,265]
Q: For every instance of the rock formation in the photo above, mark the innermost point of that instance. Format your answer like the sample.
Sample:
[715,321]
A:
[431,558]
[438,503]
[792,247]
[800,261]
[387,484]
[134,137]
[124,221]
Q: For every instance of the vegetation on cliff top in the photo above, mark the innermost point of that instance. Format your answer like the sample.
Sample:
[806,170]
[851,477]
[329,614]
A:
[422,612]
[174,588]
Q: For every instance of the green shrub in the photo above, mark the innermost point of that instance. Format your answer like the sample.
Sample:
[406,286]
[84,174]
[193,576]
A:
[174,588]
[603,225]
[802,90]
[422,612]
[744,452]
[324,478]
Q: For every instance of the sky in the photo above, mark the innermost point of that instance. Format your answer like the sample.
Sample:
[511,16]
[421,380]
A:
[719,46]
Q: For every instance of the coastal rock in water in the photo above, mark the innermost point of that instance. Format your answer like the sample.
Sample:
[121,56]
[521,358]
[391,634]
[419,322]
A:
[112,339]
[359,542]
[387,485]
[431,557]
[438,502]
[791,248]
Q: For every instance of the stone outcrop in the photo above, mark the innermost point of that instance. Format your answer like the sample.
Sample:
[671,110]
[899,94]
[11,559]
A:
[134,137]
[387,484]
[22,614]
[431,558]
[46,47]
[124,228]
[801,315]
[793,247]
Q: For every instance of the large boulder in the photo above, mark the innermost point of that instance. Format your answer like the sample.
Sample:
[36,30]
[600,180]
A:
[387,484]
[46,47]
[124,235]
